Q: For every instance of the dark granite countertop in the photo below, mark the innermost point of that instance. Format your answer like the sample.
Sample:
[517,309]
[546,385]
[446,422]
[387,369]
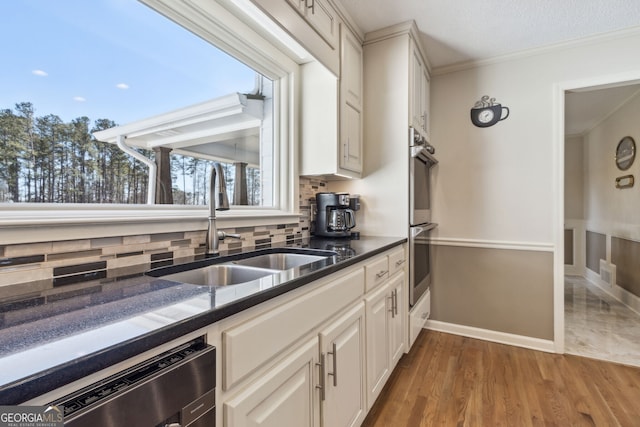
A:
[79,336]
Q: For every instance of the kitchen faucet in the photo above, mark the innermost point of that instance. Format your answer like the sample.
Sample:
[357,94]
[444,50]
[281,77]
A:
[217,196]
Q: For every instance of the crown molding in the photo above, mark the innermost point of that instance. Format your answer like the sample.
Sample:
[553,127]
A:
[404,28]
[581,42]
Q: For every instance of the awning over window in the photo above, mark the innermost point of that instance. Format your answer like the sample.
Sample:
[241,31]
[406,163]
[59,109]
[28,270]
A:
[225,129]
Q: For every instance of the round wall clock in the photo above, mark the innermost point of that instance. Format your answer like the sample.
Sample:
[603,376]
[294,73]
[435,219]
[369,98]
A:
[625,153]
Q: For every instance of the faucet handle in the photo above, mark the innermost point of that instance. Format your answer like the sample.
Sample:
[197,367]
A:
[222,235]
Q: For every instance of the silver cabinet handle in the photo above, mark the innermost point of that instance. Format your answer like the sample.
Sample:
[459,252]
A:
[400,262]
[395,301]
[334,374]
[312,7]
[391,310]
[381,273]
[321,386]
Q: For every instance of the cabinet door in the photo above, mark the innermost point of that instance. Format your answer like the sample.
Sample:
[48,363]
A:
[286,396]
[313,23]
[398,319]
[351,68]
[323,19]
[298,5]
[342,343]
[425,86]
[351,136]
[377,305]
[415,90]
[350,102]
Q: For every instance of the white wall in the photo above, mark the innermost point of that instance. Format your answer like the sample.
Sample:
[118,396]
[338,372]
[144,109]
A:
[498,183]
[607,209]
[574,178]
[502,186]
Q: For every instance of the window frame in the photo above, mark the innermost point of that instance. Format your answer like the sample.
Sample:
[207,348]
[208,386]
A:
[224,24]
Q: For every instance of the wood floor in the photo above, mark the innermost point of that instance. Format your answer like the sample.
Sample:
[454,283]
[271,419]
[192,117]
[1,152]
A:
[448,380]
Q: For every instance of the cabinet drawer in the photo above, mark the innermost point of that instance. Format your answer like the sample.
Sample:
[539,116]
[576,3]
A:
[418,316]
[397,260]
[249,345]
[376,272]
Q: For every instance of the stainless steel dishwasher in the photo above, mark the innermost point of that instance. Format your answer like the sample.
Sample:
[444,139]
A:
[173,389]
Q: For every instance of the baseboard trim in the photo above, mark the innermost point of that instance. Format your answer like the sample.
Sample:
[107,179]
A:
[615,291]
[494,336]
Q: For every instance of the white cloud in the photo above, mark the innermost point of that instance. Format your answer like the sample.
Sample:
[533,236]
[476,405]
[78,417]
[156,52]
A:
[79,98]
[39,73]
[122,86]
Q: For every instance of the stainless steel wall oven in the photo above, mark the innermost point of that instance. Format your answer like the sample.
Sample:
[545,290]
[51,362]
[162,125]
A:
[419,261]
[421,163]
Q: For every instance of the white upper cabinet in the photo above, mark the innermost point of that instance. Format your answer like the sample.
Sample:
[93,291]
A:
[415,88]
[351,102]
[426,99]
[321,16]
[331,114]
[419,92]
[314,23]
[331,101]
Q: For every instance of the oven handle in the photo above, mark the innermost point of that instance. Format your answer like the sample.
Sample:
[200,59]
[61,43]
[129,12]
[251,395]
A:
[419,229]
[421,153]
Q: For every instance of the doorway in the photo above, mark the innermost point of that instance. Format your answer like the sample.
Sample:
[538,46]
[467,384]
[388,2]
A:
[600,285]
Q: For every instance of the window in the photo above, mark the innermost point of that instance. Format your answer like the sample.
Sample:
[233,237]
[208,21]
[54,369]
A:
[79,78]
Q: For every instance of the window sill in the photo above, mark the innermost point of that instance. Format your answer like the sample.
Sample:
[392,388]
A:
[53,223]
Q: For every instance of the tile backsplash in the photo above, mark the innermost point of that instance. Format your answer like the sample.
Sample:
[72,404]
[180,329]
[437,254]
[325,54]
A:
[49,268]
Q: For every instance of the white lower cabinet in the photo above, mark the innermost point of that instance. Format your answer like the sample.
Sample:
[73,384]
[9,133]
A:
[319,358]
[419,315]
[285,396]
[319,384]
[377,342]
[342,347]
[398,321]
[386,323]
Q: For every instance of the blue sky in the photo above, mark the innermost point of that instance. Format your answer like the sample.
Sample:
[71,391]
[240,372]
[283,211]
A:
[114,59]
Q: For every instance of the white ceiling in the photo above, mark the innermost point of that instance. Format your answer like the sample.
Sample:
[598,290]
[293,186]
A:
[457,31]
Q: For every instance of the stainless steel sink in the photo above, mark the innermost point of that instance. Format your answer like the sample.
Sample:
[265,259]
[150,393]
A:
[220,275]
[279,261]
[241,268]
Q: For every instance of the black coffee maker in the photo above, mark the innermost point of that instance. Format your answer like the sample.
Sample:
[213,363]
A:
[334,217]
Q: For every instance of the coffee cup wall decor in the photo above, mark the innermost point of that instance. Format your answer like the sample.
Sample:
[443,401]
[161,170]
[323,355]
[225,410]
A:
[486,112]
